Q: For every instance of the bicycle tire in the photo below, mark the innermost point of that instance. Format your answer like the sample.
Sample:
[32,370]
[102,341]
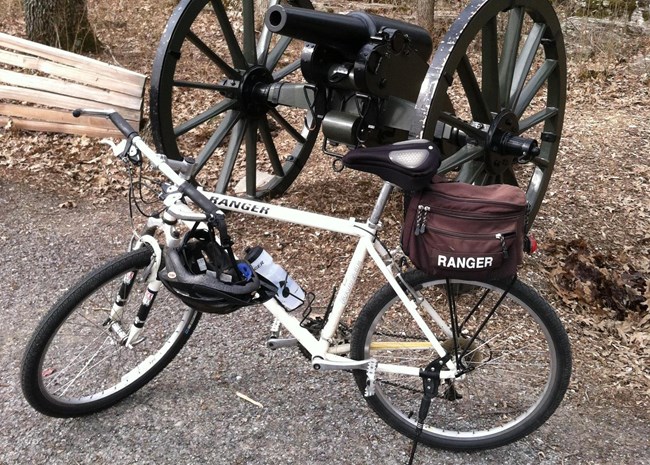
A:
[504,397]
[108,371]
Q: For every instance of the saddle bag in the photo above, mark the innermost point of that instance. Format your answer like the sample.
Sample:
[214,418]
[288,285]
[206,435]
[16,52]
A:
[463,231]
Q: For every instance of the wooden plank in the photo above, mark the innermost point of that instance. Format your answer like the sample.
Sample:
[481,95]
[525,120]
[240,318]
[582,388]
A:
[56,116]
[71,73]
[57,86]
[43,126]
[71,59]
[60,101]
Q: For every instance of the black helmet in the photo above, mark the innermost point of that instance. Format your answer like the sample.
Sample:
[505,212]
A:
[206,277]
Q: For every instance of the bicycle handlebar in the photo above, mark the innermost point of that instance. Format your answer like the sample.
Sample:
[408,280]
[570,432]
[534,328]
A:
[185,187]
[118,120]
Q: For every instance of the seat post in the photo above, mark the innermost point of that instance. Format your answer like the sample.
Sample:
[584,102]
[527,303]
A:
[380,204]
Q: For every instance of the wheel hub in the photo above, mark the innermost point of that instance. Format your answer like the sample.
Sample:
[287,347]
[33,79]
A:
[247,92]
[504,147]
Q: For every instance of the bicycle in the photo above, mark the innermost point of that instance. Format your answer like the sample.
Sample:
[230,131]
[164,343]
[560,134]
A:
[492,359]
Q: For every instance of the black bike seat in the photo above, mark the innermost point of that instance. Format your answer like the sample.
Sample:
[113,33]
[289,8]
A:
[409,164]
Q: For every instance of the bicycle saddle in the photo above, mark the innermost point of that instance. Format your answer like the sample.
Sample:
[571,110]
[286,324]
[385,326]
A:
[409,164]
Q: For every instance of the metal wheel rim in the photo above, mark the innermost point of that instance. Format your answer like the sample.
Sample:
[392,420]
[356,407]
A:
[433,101]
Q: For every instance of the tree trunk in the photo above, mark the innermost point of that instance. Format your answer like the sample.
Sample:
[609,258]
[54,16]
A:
[425,14]
[60,23]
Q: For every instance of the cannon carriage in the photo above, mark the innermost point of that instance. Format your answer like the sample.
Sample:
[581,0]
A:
[255,101]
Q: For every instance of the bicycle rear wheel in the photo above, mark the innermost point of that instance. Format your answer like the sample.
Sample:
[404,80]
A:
[75,364]
[518,367]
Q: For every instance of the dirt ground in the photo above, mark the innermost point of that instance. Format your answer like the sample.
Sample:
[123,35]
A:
[593,228]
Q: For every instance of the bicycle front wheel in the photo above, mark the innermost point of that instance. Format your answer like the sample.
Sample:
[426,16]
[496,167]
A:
[77,363]
[510,344]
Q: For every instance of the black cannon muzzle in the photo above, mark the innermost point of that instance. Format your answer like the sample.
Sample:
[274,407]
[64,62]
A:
[346,33]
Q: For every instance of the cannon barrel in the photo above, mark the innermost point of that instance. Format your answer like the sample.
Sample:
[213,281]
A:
[347,33]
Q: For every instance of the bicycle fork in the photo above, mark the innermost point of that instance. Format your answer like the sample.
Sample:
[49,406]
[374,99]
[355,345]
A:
[114,321]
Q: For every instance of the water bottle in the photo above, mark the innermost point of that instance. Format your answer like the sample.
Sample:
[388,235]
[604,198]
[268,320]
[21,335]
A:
[290,294]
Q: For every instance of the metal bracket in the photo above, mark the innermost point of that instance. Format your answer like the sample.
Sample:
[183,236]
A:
[274,343]
[344,364]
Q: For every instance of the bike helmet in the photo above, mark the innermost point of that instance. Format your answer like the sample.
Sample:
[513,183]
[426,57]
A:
[206,277]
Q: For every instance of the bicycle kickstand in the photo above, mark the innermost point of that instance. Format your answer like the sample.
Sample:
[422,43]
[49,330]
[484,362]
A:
[431,381]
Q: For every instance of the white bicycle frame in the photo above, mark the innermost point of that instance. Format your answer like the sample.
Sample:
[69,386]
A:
[325,354]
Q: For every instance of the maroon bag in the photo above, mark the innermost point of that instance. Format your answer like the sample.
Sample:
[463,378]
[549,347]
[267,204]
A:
[458,230]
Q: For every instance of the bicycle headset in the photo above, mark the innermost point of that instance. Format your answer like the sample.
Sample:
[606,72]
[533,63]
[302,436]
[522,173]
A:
[207,277]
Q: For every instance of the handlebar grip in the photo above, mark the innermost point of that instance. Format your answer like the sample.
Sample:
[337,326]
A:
[122,124]
[201,200]
[118,120]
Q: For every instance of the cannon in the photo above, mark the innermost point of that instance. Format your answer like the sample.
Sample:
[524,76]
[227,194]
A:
[254,98]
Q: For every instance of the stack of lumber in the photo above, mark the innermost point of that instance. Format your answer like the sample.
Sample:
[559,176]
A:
[41,85]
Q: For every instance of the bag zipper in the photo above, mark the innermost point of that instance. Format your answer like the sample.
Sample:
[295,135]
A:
[421,219]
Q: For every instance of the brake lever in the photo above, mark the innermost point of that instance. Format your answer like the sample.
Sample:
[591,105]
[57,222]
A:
[125,150]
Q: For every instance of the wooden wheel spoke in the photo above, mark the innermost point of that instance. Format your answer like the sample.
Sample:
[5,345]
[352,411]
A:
[264,41]
[236,139]
[201,118]
[216,59]
[216,139]
[466,154]
[202,86]
[231,40]
[537,118]
[490,60]
[286,71]
[509,177]
[194,113]
[534,85]
[472,172]
[477,104]
[250,52]
[251,157]
[525,61]
[287,126]
[464,126]
[277,52]
[267,139]
[509,53]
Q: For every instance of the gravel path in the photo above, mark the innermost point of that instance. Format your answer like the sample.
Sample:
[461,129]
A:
[191,415]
